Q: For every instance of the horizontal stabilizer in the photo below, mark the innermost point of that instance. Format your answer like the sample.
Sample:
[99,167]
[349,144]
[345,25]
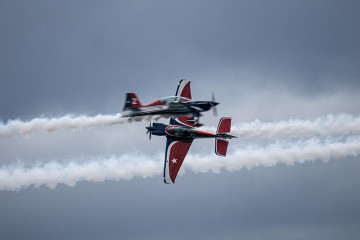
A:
[221,147]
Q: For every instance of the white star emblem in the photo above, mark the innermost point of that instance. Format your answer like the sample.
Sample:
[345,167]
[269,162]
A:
[174,160]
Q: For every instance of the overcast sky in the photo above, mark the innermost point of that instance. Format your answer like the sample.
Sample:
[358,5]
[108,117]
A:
[266,60]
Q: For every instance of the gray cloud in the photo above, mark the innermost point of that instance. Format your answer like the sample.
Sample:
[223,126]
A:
[265,60]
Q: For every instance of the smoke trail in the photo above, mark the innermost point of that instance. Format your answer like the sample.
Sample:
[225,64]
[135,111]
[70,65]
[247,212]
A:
[16,177]
[66,122]
[330,125]
[342,124]
[279,152]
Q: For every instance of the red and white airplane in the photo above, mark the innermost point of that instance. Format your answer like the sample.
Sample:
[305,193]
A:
[178,105]
[180,134]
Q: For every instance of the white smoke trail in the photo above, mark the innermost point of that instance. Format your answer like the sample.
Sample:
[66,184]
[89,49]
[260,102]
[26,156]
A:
[66,122]
[16,177]
[342,124]
[279,152]
[330,125]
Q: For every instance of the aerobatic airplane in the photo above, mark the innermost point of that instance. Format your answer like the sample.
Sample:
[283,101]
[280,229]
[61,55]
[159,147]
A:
[180,104]
[180,134]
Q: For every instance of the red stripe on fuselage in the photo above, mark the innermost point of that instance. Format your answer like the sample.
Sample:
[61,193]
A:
[156,103]
[196,133]
[203,134]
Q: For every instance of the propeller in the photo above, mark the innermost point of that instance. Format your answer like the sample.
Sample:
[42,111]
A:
[149,132]
[213,104]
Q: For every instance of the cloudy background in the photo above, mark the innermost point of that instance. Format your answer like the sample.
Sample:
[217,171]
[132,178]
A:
[266,60]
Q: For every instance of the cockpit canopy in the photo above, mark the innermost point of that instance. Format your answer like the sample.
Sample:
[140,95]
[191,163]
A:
[181,132]
[172,99]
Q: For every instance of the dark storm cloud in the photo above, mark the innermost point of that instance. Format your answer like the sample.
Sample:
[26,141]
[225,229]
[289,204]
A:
[66,57]
[269,59]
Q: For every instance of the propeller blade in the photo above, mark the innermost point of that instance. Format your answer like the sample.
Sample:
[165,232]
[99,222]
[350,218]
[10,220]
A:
[149,131]
[215,113]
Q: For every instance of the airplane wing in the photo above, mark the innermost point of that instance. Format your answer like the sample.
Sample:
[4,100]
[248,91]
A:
[185,121]
[175,153]
[183,89]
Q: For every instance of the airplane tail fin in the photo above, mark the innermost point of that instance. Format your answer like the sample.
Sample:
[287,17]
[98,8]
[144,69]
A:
[221,144]
[224,125]
[183,89]
[131,101]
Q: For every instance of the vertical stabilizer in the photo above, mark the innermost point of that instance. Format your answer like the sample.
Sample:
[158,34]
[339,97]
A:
[131,101]
[183,89]
[221,146]
[224,125]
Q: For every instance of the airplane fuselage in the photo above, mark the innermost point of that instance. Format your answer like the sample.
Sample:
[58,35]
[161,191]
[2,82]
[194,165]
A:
[181,132]
[172,108]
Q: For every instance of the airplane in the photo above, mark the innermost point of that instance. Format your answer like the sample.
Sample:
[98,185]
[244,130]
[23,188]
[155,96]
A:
[179,105]
[180,134]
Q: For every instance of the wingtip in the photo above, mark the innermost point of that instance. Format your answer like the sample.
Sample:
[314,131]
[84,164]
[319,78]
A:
[165,181]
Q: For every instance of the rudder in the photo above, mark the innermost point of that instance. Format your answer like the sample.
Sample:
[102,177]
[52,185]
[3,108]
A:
[224,125]
[221,146]
[132,101]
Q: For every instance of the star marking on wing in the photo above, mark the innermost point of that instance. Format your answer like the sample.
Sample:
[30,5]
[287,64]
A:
[174,160]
